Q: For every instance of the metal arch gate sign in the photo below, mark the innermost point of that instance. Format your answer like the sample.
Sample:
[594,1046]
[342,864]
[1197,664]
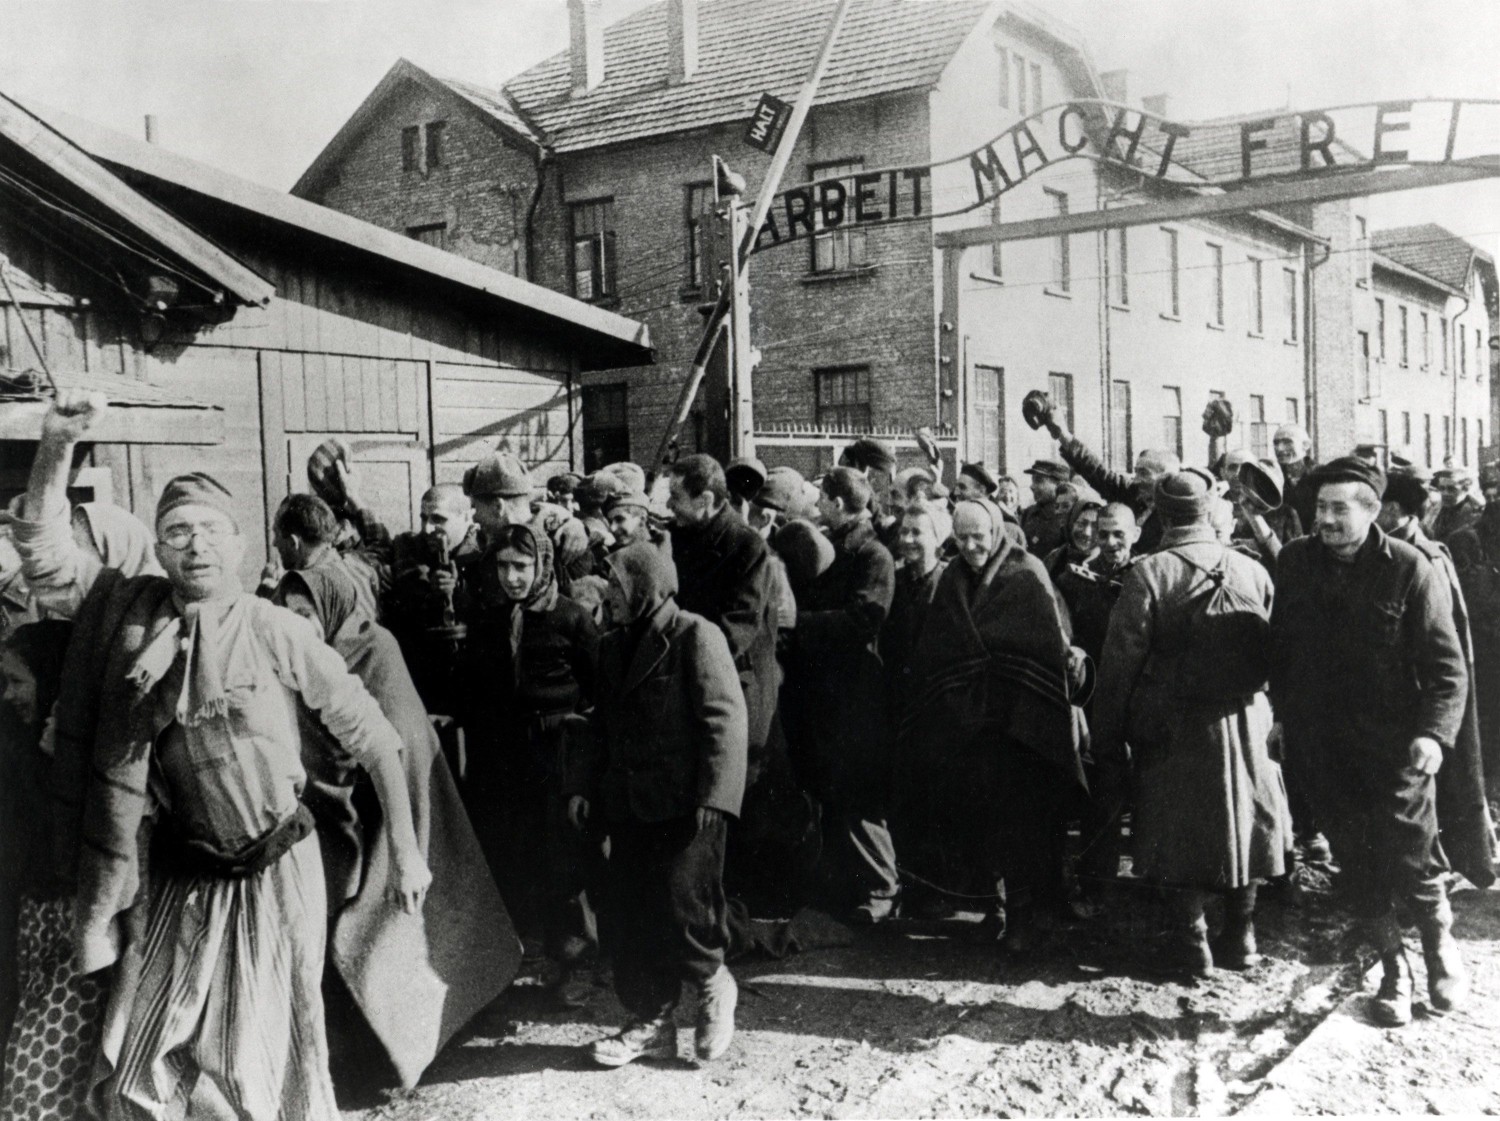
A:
[1216,166]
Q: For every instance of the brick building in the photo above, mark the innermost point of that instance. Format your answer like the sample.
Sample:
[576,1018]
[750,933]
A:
[590,173]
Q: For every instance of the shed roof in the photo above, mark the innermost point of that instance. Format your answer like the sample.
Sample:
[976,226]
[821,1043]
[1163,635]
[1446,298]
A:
[141,413]
[745,47]
[614,340]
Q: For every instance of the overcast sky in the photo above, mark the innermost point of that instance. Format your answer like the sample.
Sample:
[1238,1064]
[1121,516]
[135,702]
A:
[259,86]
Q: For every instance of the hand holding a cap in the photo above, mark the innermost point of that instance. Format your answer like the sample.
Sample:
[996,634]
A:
[72,414]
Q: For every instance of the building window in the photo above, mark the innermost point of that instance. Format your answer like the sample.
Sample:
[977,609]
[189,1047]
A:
[1463,437]
[1362,248]
[1406,430]
[1119,267]
[1479,433]
[700,204]
[436,233]
[1216,278]
[1060,389]
[1171,419]
[1062,265]
[593,249]
[1463,351]
[1120,442]
[1293,410]
[1289,283]
[1447,439]
[435,131]
[1443,331]
[843,398]
[411,148]
[1380,330]
[1257,297]
[842,247]
[1426,340]
[1427,438]
[1003,72]
[1260,441]
[1174,281]
[988,432]
[606,430]
[1036,87]
[1405,337]
[1362,355]
[1018,67]
[1385,432]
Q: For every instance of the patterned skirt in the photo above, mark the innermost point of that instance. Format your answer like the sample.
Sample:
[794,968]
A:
[56,1032]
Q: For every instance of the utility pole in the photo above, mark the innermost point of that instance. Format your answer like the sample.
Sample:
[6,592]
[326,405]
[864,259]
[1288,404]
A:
[721,311]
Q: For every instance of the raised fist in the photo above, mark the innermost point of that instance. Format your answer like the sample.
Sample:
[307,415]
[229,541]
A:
[72,414]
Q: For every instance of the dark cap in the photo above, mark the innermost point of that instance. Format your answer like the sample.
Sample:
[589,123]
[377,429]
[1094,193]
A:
[564,483]
[627,498]
[744,476]
[499,473]
[1218,417]
[782,490]
[868,453]
[1408,492]
[1350,469]
[1051,469]
[1185,494]
[980,475]
[1036,409]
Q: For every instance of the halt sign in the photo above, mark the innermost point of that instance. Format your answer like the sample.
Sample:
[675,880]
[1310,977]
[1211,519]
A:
[768,123]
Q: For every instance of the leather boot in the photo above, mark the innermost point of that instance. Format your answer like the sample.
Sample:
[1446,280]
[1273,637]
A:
[1189,933]
[1447,980]
[1392,1005]
[1235,947]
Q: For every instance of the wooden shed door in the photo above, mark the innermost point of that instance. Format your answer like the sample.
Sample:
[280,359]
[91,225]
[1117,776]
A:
[391,473]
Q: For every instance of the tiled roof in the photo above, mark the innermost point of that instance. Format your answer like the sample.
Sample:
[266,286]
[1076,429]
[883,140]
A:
[1428,249]
[1213,148]
[744,47]
[493,103]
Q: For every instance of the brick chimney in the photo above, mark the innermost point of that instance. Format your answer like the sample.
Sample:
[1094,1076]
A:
[682,40]
[1116,85]
[585,44]
[1158,103]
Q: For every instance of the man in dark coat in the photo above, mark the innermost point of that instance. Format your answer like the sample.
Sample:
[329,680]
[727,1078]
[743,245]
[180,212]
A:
[1137,491]
[1468,834]
[1291,445]
[1476,553]
[1462,505]
[1369,686]
[1045,522]
[723,574]
[665,769]
[834,683]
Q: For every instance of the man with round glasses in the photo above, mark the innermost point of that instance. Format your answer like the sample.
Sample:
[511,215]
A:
[194,866]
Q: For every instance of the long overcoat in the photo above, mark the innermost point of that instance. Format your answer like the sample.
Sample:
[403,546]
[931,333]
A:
[1211,808]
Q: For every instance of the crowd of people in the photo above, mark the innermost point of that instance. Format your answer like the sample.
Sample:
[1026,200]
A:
[609,721]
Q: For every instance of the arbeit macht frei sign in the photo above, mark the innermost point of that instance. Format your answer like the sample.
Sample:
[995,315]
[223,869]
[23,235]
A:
[1218,154]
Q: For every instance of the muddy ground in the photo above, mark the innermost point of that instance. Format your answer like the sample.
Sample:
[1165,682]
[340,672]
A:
[918,1020]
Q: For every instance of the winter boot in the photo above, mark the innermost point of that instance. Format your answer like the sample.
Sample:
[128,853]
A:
[1447,980]
[1235,947]
[1189,933]
[1392,1004]
[639,1039]
[716,1004]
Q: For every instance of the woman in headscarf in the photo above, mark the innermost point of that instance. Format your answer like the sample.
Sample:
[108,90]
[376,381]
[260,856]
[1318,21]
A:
[528,665]
[991,725]
[50,1014]
[925,528]
[663,772]
[414,979]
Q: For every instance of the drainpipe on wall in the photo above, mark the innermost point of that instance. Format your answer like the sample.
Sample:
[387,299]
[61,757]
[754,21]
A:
[1310,347]
[542,161]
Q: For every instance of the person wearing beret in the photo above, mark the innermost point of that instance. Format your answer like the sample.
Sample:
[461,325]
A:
[207,777]
[1370,688]
[1137,491]
[1044,523]
[974,481]
[1462,505]
[1186,691]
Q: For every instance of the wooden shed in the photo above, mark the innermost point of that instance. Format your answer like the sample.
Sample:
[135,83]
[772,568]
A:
[237,327]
